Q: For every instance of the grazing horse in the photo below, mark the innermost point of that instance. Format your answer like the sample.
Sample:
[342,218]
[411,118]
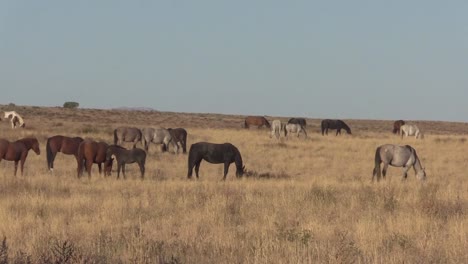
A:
[180,136]
[214,153]
[59,143]
[127,134]
[411,130]
[300,121]
[334,124]
[159,136]
[125,156]
[277,128]
[295,128]
[397,156]
[15,119]
[396,126]
[89,152]
[258,121]
[18,150]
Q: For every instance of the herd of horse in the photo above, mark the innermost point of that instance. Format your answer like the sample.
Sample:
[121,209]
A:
[88,152]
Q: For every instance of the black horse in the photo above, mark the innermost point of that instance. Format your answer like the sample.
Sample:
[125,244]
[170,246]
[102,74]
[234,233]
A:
[299,121]
[334,124]
[179,135]
[125,156]
[214,153]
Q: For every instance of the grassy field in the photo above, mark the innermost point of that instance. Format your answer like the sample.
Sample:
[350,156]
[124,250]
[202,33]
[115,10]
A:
[309,201]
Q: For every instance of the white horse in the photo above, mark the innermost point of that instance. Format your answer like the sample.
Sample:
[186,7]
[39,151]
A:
[295,128]
[397,156]
[411,130]
[15,119]
[277,128]
[159,135]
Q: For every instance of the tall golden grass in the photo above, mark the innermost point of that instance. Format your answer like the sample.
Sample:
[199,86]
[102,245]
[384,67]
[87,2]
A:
[311,201]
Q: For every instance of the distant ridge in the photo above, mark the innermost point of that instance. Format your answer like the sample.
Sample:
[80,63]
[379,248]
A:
[146,109]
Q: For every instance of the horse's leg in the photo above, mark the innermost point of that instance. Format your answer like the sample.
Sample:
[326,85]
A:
[99,167]
[89,164]
[16,166]
[119,166]
[384,171]
[142,169]
[226,169]
[52,158]
[123,171]
[197,168]
[405,172]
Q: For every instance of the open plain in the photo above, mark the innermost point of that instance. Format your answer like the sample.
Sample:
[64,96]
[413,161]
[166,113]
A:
[305,201]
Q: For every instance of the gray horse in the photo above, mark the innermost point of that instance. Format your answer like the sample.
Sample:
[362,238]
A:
[277,128]
[127,134]
[397,156]
[295,128]
[158,136]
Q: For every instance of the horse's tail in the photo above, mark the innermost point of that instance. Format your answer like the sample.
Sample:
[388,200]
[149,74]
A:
[377,161]
[116,138]
[245,124]
[49,154]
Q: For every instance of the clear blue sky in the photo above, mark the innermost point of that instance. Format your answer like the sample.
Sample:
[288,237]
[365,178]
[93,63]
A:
[338,59]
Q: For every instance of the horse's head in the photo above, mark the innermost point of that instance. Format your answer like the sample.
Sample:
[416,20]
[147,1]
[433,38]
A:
[35,147]
[421,175]
[240,172]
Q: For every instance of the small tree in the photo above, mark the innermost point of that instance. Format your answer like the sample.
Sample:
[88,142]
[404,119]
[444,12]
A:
[71,105]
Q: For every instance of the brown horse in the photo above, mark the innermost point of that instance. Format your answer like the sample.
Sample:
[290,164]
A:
[18,150]
[396,126]
[66,145]
[258,121]
[89,152]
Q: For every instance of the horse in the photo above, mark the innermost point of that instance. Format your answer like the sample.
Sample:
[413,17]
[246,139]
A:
[18,151]
[15,119]
[214,153]
[277,128]
[295,128]
[300,121]
[127,134]
[397,156]
[180,136]
[411,130]
[59,143]
[258,121]
[125,156]
[396,126]
[89,152]
[334,124]
[158,136]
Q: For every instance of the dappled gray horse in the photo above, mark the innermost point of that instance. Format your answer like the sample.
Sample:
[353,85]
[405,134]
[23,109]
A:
[127,134]
[295,128]
[411,130]
[397,156]
[277,128]
[158,136]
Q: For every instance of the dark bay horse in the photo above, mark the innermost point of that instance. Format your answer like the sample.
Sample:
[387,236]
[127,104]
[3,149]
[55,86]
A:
[59,143]
[127,134]
[334,124]
[89,152]
[214,153]
[299,121]
[18,151]
[258,121]
[397,156]
[180,136]
[396,126]
[125,156]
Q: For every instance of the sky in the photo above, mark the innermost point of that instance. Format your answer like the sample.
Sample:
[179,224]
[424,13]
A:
[319,59]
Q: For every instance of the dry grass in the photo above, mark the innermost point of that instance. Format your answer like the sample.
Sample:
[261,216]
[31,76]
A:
[308,201]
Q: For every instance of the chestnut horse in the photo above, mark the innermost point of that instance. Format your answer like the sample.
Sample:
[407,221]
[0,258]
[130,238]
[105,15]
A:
[258,121]
[89,152]
[66,145]
[18,150]
[396,126]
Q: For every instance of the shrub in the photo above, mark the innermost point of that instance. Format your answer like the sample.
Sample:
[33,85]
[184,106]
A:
[71,105]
